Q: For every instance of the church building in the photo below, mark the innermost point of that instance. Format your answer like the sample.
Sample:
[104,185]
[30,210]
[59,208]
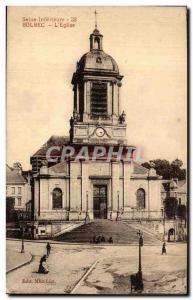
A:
[92,173]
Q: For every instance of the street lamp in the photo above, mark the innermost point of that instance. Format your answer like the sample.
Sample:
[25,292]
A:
[164,224]
[139,274]
[118,211]
[22,241]
[87,213]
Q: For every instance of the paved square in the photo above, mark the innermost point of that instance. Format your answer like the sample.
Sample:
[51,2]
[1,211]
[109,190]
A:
[69,263]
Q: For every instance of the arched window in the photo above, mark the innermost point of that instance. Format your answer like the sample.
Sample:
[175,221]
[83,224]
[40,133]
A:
[57,198]
[171,235]
[96,43]
[140,198]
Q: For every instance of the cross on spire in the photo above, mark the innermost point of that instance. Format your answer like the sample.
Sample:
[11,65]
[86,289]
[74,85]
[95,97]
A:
[96,13]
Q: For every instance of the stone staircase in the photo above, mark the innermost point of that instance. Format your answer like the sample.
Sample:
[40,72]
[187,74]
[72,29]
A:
[121,232]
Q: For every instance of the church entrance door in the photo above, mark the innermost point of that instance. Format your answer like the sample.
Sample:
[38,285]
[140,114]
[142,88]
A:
[100,201]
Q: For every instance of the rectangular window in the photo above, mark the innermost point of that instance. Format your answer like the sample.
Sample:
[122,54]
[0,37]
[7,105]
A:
[19,201]
[99,99]
[19,190]
[13,190]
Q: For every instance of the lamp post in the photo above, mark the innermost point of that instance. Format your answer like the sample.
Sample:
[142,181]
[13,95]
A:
[139,274]
[87,219]
[22,241]
[118,211]
[164,225]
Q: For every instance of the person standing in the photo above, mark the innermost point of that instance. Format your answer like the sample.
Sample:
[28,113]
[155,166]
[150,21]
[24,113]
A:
[48,247]
[164,248]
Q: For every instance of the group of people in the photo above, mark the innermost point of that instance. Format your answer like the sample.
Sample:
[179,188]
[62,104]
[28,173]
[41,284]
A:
[43,268]
[101,239]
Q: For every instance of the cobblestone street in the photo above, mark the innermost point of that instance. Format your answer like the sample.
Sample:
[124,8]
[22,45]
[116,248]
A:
[68,263]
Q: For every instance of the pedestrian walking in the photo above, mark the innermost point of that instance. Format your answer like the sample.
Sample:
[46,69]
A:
[48,247]
[164,248]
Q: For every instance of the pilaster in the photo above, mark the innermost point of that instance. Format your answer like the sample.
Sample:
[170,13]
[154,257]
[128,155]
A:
[86,191]
[126,183]
[74,195]
[115,185]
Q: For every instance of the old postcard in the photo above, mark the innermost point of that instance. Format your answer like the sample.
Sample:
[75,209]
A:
[96,193]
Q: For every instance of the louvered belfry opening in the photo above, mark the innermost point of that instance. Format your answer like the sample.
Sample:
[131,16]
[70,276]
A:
[99,98]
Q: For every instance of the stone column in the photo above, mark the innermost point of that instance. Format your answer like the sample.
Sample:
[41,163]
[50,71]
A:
[153,202]
[85,102]
[85,187]
[115,188]
[127,175]
[44,195]
[115,99]
[68,187]
[118,103]
[88,87]
[127,170]
[74,196]
[75,96]
[109,98]
[36,198]
[66,194]
[77,99]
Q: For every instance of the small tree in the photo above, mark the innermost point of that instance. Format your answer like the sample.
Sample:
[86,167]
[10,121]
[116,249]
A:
[168,170]
[170,206]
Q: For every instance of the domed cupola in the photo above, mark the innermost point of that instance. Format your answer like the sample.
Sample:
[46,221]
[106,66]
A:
[96,85]
[96,59]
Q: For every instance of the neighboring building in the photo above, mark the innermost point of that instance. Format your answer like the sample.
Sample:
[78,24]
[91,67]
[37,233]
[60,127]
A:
[182,192]
[78,189]
[176,228]
[174,188]
[17,187]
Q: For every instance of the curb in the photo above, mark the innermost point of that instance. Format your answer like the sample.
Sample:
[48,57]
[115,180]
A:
[84,276]
[21,265]
[90,244]
[81,244]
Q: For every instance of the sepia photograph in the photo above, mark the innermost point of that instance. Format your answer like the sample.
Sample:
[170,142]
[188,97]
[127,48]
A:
[96,150]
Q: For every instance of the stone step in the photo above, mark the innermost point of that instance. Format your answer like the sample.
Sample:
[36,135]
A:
[121,232]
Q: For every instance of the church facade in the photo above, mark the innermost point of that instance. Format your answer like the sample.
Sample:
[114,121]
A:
[92,174]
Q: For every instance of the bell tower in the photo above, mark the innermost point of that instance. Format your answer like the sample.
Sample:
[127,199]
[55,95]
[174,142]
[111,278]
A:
[96,38]
[97,118]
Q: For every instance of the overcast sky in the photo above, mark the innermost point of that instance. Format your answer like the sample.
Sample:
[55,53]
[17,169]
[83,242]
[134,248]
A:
[149,46]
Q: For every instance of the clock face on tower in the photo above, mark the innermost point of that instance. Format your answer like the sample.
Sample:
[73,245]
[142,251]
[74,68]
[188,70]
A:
[100,132]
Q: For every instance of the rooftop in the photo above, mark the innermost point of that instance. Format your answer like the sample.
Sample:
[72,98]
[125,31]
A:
[13,176]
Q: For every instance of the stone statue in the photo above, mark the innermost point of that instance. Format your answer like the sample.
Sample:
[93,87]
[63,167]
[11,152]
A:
[71,121]
[75,116]
[122,117]
[152,171]
[152,164]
